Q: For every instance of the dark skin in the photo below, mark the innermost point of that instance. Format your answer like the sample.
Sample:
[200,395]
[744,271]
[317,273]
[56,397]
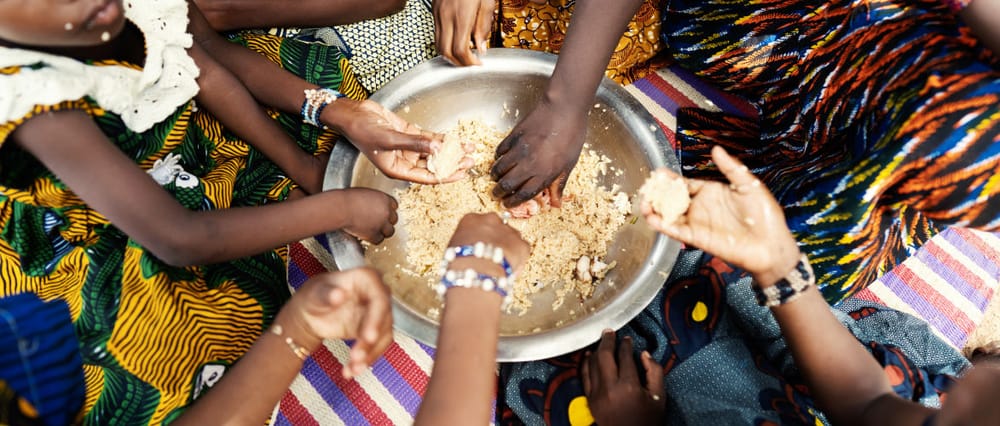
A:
[353,304]
[147,213]
[542,149]
[467,342]
[856,391]
[228,15]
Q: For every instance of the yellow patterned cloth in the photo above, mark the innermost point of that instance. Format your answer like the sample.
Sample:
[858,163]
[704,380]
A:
[528,25]
[154,337]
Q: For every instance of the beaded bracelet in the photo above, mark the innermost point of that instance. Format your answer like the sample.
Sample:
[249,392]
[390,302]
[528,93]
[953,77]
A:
[469,278]
[297,349]
[788,288]
[315,101]
[480,250]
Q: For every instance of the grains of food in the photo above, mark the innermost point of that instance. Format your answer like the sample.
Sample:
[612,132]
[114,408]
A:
[446,161]
[667,195]
[589,218]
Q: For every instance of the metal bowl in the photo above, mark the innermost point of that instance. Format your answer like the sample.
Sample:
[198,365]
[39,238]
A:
[435,95]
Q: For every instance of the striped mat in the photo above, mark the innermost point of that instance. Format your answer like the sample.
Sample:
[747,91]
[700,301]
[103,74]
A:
[949,282]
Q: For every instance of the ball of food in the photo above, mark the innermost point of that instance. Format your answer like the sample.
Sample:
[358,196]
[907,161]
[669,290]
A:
[448,159]
[667,195]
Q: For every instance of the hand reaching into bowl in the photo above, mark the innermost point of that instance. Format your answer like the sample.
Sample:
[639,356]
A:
[470,326]
[398,148]
[740,222]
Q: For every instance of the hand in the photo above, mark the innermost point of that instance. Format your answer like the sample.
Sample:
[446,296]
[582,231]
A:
[350,304]
[456,22]
[399,149]
[373,214]
[613,391]
[740,223]
[490,229]
[539,153]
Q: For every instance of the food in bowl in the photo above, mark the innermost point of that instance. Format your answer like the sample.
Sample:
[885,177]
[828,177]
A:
[667,195]
[448,158]
[567,244]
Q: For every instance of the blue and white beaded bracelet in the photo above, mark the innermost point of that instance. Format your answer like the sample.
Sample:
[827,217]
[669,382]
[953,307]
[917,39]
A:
[480,250]
[469,278]
[315,101]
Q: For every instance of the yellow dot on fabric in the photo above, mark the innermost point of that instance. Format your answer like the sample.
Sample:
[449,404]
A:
[579,412]
[29,410]
[700,312]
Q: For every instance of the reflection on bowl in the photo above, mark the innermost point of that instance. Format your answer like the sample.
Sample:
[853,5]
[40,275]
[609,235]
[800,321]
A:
[435,95]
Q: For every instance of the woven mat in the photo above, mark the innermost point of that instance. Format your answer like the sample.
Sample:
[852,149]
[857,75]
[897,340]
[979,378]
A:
[949,282]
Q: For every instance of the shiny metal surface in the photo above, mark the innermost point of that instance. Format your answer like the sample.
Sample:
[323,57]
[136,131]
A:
[435,95]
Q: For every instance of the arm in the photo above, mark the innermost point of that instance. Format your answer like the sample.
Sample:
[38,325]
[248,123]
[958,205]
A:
[541,150]
[228,100]
[228,15]
[463,382]
[352,304]
[983,16]
[742,224]
[393,145]
[111,183]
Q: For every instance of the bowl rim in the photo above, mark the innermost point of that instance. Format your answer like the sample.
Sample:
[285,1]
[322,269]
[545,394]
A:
[622,308]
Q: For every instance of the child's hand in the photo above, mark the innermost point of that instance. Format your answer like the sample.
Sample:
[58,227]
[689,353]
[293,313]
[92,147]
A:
[490,229]
[456,22]
[399,149]
[350,304]
[373,214]
[613,390]
[740,223]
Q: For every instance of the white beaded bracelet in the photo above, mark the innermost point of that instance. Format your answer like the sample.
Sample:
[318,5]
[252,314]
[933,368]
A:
[469,278]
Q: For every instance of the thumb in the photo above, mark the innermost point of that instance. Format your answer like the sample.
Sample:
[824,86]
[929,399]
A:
[654,376]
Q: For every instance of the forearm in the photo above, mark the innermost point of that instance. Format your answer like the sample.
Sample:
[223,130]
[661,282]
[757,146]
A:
[840,372]
[228,100]
[221,235]
[248,393]
[238,14]
[594,31]
[464,379]
[983,16]
[267,82]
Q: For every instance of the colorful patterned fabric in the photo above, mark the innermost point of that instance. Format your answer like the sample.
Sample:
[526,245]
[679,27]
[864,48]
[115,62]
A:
[878,121]
[724,357]
[379,49]
[957,262]
[41,373]
[154,337]
[529,25]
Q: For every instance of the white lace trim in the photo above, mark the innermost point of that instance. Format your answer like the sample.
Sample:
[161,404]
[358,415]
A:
[142,98]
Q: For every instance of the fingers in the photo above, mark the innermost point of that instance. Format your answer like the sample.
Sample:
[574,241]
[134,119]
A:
[626,365]
[556,191]
[527,191]
[484,24]
[375,327]
[654,375]
[421,142]
[585,373]
[738,174]
[606,365]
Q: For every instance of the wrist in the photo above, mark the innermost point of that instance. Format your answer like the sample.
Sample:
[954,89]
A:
[294,326]
[336,115]
[480,265]
[784,260]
